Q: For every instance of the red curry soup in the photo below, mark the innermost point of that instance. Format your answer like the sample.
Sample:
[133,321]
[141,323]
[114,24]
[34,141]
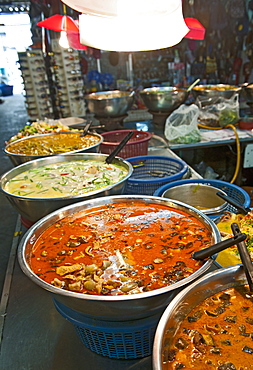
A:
[122,248]
[216,334]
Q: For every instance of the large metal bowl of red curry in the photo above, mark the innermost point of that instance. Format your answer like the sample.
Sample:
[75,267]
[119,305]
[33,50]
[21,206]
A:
[208,325]
[120,257]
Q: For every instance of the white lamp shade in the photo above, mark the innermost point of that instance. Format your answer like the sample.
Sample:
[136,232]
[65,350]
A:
[130,25]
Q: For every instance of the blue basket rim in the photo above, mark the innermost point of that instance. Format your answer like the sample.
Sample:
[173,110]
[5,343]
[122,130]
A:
[79,319]
[179,161]
[213,182]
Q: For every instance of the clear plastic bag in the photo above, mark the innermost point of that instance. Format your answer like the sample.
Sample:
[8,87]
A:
[181,127]
[218,111]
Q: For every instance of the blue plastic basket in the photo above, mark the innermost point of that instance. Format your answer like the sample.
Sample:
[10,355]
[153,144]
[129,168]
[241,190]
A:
[151,172]
[234,191]
[114,339]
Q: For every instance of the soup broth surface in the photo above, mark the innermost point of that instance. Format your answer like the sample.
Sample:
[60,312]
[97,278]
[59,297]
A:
[52,144]
[216,334]
[122,248]
[65,179]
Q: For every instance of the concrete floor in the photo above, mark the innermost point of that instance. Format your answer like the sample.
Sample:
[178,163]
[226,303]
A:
[13,117]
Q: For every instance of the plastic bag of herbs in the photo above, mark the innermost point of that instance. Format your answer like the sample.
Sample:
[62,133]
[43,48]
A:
[181,127]
[218,111]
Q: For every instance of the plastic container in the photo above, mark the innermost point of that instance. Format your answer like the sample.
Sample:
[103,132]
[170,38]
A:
[151,172]
[137,145]
[6,90]
[114,339]
[234,191]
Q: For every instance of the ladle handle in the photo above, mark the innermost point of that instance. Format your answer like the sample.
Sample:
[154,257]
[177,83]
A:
[241,209]
[86,129]
[245,257]
[119,147]
[218,247]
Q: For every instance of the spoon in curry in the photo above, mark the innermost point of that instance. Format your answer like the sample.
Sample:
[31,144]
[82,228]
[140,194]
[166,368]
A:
[245,257]
[86,129]
[243,210]
[218,247]
[119,147]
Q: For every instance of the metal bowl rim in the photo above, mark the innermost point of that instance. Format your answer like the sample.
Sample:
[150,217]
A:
[155,90]
[105,200]
[210,211]
[50,155]
[96,95]
[208,88]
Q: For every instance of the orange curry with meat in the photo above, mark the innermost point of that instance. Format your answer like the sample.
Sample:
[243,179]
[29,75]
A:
[121,248]
[216,334]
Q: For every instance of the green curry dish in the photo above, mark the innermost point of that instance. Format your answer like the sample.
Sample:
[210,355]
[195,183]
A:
[71,178]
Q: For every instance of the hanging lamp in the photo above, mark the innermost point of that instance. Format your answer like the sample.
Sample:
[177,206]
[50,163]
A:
[130,25]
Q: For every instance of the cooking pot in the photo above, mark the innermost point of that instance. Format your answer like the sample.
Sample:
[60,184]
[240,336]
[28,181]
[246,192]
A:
[186,300]
[119,307]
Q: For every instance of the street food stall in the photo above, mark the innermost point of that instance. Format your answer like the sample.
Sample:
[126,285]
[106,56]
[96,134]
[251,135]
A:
[118,237]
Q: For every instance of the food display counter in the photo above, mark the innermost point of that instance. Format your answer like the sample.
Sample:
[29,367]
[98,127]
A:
[35,336]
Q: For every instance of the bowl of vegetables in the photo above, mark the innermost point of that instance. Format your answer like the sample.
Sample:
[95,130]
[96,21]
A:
[214,91]
[41,146]
[163,99]
[41,186]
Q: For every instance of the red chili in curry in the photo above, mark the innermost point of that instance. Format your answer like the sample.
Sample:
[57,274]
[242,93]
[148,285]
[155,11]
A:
[121,248]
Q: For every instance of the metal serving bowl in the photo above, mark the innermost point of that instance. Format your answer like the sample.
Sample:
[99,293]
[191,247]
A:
[163,99]
[110,103]
[186,300]
[200,196]
[113,308]
[215,91]
[33,209]
[18,159]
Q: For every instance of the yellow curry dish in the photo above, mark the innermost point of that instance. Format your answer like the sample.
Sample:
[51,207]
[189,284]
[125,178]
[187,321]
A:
[230,256]
[52,144]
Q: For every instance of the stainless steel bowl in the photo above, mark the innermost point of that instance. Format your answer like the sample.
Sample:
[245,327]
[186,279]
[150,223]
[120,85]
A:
[200,196]
[163,99]
[33,209]
[186,300]
[110,103]
[215,91]
[116,308]
[18,159]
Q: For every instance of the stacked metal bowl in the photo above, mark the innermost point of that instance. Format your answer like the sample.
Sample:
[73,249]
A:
[163,99]
[110,103]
